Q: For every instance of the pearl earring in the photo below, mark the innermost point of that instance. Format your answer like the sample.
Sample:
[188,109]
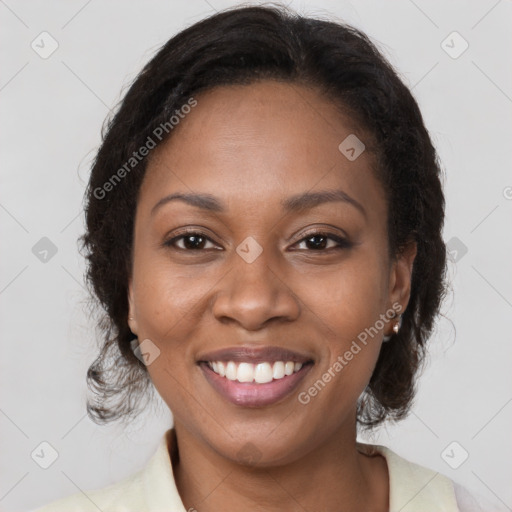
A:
[396,328]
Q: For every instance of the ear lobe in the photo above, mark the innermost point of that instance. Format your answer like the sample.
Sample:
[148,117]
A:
[132,322]
[401,276]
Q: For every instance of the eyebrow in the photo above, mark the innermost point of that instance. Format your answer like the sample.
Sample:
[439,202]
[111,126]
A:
[311,199]
[296,203]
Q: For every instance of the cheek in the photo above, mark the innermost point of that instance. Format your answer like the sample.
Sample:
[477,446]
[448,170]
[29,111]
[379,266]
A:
[350,351]
[171,302]
[347,304]
[169,306]
[167,299]
[348,297]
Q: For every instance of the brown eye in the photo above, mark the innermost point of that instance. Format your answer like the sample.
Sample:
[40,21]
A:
[324,241]
[317,242]
[190,241]
[193,242]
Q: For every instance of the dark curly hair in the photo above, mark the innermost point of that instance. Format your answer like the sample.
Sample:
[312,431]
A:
[240,46]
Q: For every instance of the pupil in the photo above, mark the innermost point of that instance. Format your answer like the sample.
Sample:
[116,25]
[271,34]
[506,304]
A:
[196,243]
[318,245]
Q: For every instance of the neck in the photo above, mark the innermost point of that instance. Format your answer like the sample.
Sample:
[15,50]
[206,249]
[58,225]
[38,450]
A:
[333,476]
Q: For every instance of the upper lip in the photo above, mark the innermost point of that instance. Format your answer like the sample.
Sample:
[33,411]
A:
[254,355]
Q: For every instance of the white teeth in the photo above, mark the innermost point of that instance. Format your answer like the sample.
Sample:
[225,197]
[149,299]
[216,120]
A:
[260,373]
[245,372]
[263,373]
[278,370]
[230,371]
[221,369]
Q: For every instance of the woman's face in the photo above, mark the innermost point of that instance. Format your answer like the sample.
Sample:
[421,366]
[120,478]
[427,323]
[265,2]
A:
[285,261]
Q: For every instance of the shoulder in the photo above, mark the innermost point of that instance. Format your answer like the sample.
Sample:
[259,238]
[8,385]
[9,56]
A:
[112,498]
[469,501]
[413,487]
[152,489]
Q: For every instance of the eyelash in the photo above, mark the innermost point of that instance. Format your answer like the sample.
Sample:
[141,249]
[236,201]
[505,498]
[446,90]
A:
[343,243]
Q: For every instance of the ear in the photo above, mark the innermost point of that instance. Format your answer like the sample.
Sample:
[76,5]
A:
[132,317]
[401,276]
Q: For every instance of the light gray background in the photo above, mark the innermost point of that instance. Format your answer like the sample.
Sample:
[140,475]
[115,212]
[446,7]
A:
[52,110]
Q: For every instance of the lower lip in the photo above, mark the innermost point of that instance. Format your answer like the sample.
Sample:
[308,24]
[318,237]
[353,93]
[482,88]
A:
[250,394]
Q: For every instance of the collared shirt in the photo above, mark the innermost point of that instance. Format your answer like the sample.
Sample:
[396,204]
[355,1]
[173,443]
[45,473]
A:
[412,488]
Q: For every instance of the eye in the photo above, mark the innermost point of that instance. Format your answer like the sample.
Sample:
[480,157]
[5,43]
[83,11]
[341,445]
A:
[190,241]
[322,242]
[317,241]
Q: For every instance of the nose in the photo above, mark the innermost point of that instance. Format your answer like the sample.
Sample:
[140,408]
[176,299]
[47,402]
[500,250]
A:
[254,294]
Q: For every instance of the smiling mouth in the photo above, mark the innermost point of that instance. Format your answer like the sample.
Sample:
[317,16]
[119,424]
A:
[254,376]
[260,373]
[254,385]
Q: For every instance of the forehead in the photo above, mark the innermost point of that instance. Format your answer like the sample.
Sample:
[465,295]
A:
[265,140]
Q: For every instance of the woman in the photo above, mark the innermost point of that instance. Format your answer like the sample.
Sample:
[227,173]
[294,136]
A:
[264,234]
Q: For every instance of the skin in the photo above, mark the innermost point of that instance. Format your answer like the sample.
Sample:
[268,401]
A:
[251,147]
